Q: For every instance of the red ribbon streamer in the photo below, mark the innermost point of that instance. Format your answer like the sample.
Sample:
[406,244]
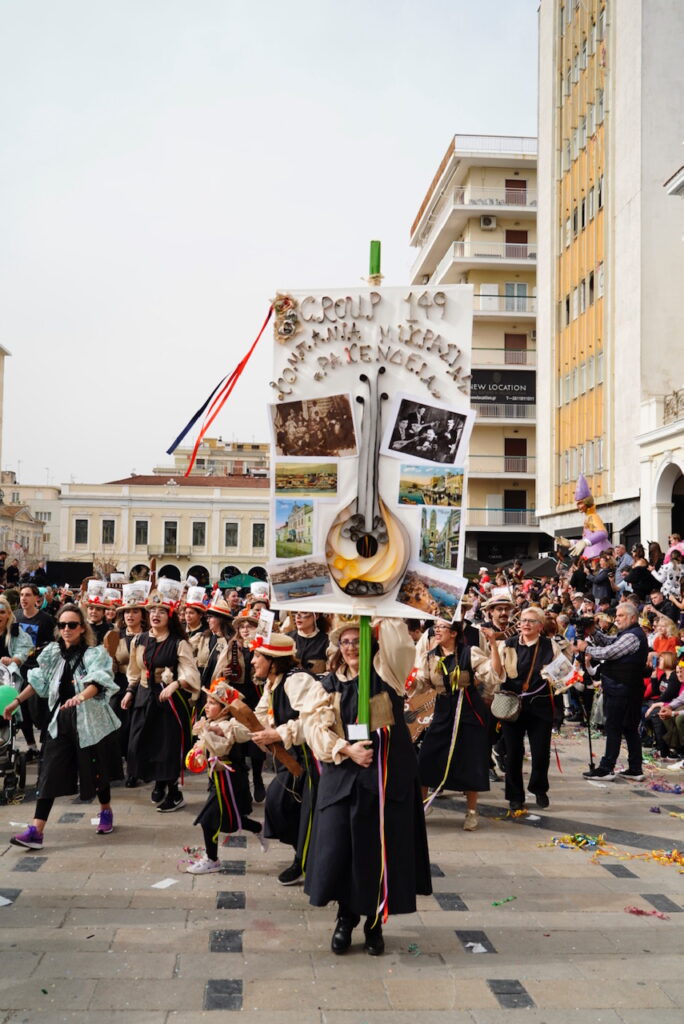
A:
[223,395]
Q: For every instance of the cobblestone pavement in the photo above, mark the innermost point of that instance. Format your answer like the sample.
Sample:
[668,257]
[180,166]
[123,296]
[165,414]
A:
[87,937]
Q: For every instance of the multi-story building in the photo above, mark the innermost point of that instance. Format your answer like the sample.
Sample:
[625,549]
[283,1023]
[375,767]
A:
[610,255]
[477,225]
[216,458]
[209,527]
[42,503]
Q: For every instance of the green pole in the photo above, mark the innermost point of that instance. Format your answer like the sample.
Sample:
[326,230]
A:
[365,622]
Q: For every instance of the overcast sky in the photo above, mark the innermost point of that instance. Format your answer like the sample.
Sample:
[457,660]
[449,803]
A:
[167,165]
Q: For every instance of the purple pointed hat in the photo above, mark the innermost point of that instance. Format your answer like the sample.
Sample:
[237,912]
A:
[582,489]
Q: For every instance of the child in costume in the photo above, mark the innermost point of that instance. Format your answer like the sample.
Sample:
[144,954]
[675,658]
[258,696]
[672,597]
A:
[229,802]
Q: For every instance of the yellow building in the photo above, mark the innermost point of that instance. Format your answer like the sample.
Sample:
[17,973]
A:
[477,225]
[610,260]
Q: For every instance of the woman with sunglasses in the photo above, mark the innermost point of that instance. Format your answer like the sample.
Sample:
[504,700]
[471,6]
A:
[81,752]
[369,851]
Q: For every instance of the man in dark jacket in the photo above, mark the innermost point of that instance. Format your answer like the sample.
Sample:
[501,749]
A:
[640,579]
[623,666]
[661,606]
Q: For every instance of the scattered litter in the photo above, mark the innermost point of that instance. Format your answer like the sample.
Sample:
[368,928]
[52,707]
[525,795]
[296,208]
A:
[524,813]
[4,902]
[44,991]
[506,899]
[414,949]
[661,786]
[580,841]
[95,821]
[599,785]
[655,810]
[19,824]
[647,913]
[476,947]
[676,814]
[90,936]
[165,883]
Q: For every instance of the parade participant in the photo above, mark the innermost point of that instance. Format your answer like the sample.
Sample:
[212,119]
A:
[15,644]
[131,621]
[232,599]
[311,642]
[369,850]
[523,659]
[289,800]
[498,623]
[163,682]
[40,627]
[623,666]
[95,609]
[229,803]
[219,652]
[454,753]
[195,608]
[251,694]
[81,752]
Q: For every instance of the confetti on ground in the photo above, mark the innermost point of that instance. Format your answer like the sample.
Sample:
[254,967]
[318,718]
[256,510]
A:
[662,786]
[580,841]
[524,813]
[676,814]
[414,949]
[647,913]
[655,810]
[506,899]
[165,883]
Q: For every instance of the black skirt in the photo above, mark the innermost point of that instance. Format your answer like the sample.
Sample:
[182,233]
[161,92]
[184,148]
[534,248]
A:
[469,769]
[67,768]
[229,800]
[290,802]
[345,864]
[160,735]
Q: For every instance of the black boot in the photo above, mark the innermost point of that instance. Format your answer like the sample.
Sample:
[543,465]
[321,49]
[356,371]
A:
[259,789]
[342,936]
[374,944]
[292,874]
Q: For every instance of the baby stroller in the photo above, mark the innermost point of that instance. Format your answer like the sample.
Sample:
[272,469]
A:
[12,761]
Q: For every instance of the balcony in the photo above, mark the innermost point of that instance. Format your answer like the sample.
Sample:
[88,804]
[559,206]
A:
[168,551]
[504,307]
[501,517]
[519,199]
[498,412]
[673,406]
[498,465]
[504,357]
[468,254]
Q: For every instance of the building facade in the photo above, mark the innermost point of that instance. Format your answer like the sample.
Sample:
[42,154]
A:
[218,458]
[610,267]
[477,225]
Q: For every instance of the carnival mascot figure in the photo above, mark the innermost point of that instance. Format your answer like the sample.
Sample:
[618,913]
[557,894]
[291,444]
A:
[594,535]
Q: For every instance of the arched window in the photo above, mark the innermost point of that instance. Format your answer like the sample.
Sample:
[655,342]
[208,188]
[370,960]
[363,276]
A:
[171,572]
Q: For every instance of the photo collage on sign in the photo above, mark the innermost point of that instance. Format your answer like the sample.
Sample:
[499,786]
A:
[310,437]
[432,441]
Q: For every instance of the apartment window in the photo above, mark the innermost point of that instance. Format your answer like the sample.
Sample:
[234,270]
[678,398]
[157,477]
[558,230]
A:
[44,517]
[583,378]
[599,106]
[599,281]
[583,214]
[580,459]
[590,457]
[600,192]
[583,53]
[566,466]
[141,532]
[573,463]
[602,23]
[575,376]
[574,221]
[575,303]
[199,535]
[599,368]
[592,38]
[583,132]
[575,68]
[170,537]
[598,451]
[590,373]
[568,12]
[591,118]
[567,155]
[15,497]
[258,535]
[582,296]
[231,535]
[568,232]
[575,143]
[568,84]
[80,531]
[560,391]
[107,531]
[591,200]
[591,288]
[567,310]
[567,388]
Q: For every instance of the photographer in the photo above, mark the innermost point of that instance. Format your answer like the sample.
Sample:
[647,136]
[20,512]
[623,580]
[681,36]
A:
[623,666]
[603,581]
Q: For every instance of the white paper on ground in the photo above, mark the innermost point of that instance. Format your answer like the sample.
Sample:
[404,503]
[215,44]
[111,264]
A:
[165,883]
[95,821]
[19,824]
[5,902]
[476,947]
[601,785]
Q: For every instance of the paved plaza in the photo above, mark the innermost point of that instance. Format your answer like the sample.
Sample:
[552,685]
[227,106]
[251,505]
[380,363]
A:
[87,936]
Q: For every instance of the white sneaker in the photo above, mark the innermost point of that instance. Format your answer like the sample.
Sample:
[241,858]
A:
[203,866]
[471,821]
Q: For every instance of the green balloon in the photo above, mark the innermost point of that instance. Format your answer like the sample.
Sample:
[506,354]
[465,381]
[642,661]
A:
[7,695]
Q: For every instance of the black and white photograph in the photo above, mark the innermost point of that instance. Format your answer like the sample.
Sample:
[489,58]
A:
[428,432]
[314,427]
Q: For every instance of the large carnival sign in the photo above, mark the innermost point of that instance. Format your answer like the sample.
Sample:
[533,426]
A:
[370,421]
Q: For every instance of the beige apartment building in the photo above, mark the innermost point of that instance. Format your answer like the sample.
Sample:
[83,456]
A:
[611,125]
[477,225]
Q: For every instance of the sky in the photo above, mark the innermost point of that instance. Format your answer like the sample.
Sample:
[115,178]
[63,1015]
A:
[167,166]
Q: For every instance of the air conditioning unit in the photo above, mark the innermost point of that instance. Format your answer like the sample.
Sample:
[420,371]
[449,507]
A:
[487,223]
[533,335]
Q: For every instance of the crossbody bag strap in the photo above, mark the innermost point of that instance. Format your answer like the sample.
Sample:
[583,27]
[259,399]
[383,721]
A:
[526,684]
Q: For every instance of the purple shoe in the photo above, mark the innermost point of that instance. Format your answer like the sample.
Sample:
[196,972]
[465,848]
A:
[106,824]
[32,839]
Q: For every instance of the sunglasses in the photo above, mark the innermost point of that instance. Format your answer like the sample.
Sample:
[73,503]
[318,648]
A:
[69,624]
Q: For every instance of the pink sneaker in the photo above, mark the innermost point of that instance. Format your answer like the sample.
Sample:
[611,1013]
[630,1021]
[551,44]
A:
[31,839]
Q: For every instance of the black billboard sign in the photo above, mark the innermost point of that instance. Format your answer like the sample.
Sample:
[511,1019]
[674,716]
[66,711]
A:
[504,387]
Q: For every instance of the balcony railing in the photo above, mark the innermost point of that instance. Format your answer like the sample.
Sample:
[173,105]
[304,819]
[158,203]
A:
[526,144]
[673,406]
[504,303]
[504,357]
[471,195]
[497,411]
[501,517]
[168,551]
[493,465]
[475,248]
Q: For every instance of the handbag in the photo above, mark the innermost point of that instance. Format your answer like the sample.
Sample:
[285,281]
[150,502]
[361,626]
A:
[507,705]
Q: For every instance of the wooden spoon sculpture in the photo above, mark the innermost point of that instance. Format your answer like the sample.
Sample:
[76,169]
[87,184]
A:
[368,547]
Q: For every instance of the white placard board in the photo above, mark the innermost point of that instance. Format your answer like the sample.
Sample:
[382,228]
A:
[367,382]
